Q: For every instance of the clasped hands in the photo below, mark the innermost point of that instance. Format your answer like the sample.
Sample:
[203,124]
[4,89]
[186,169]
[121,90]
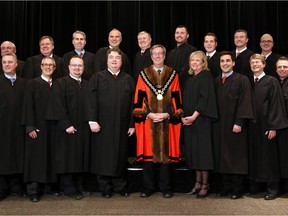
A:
[158,117]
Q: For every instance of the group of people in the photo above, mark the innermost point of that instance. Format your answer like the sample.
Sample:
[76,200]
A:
[64,118]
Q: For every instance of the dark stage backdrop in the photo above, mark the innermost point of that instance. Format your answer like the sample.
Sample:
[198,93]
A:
[25,22]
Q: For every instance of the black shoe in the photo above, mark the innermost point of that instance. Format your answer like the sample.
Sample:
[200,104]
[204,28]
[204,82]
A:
[124,193]
[20,194]
[223,193]
[55,193]
[270,197]
[167,195]
[85,193]
[34,198]
[107,194]
[76,196]
[145,194]
[236,196]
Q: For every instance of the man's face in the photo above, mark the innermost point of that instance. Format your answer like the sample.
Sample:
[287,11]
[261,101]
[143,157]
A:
[46,47]
[48,66]
[257,66]
[266,43]
[144,41]
[7,47]
[240,40]
[158,56]
[226,63]
[114,38]
[76,67]
[114,61]
[209,43]
[9,65]
[282,68]
[79,41]
[181,35]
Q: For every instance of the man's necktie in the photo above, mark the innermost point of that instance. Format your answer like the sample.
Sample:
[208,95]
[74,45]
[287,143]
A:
[237,54]
[224,79]
[12,80]
[208,57]
[256,80]
[159,72]
[115,76]
[49,82]
[79,83]
[81,55]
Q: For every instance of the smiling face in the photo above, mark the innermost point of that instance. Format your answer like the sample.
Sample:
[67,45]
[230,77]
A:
[257,64]
[144,40]
[6,47]
[209,43]
[240,40]
[181,35]
[114,61]
[79,41]
[46,47]
[9,64]
[115,38]
[196,63]
[266,43]
[158,56]
[76,67]
[48,66]
[282,68]
[226,63]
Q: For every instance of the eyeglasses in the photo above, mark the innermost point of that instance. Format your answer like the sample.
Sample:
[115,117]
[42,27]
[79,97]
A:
[284,67]
[266,41]
[76,65]
[47,65]
[156,54]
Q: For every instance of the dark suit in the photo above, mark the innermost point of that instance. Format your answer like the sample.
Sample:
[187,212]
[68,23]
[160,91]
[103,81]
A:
[242,64]
[270,68]
[89,62]
[32,67]
[214,64]
[141,61]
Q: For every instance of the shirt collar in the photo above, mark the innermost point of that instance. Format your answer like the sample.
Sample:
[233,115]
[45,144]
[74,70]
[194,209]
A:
[259,77]
[156,69]
[210,54]
[75,78]
[45,78]
[9,77]
[227,74]
[240,51]
[114,73]
[78,52]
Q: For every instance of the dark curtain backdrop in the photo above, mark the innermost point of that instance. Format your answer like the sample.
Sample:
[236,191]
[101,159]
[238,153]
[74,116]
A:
[25,22]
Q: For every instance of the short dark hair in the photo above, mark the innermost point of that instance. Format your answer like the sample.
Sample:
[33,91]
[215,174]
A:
[222,53]
[183,26]
[115,49]
[211,34]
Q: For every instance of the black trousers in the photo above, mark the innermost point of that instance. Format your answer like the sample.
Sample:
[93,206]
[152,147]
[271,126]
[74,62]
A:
[233,183]
[150,178]
[107,184]
[39,188]
[271,187]
[11,183]
[71,183]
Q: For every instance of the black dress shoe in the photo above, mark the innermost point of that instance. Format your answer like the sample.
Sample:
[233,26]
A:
[167,195]
[85,193]
[34,198]
[236,196]
[76,196]
[145,194]
[55,193]
[107,194]
[270,197]
[124,193]
[20,194]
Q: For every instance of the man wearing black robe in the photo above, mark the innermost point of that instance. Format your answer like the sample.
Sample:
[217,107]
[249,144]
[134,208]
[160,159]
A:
[282,71]
[79,42]
[235,106]
[242,54]
[32,65]
[270,117]
[109,112]
[114,39]
[12,131]
[178,58]
[39,152]
[142,58]
[72,133]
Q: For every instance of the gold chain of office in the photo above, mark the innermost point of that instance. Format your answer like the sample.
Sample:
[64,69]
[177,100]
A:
[158,92]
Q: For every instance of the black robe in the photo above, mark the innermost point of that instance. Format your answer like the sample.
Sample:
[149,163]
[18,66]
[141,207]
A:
[101,61]
[32,67]
[270,115]
[214,64]
[270,67]
[67,107]
[141,61]
[199,95]
[178,58]
[109,102]
[39,152]
[235,106]
[12,131]
[18,69]
[89,63]
[283,137]
[242,64]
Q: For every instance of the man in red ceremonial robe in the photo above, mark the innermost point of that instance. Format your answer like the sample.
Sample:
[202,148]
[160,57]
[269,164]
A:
[157,112]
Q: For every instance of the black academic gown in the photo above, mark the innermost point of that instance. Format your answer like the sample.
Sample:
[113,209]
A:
[270,67]
[242,64]
[39,152]
[270,115]
[178,58]
[141,61]
[235,106]
[67,107]
[89,63]
[283,137]
[109,102]
[12,131]
[32,67]
[101,61]
[18,69]
[199,95]
[214,64]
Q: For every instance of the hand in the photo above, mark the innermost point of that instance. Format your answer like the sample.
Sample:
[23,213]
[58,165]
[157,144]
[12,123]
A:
[188,120]
[236,128]
[95,127]
[131,131]
[71,130]
[270,134]
[33,134]
[158,117]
